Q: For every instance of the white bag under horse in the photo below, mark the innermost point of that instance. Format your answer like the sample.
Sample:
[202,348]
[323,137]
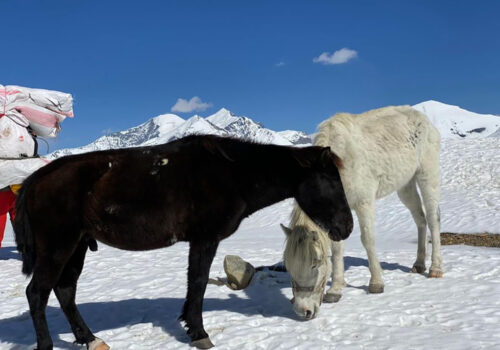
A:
[14,172]
[43,110]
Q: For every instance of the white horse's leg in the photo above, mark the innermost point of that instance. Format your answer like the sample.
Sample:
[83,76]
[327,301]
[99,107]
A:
[365,210]
[410,198]
[429,187]
[428,181]
[335,292]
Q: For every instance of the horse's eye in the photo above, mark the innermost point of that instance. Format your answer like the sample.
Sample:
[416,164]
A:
[314,266]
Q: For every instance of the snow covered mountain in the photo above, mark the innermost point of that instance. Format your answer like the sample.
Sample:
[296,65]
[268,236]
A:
[455,122]
[451,121]
[168,127]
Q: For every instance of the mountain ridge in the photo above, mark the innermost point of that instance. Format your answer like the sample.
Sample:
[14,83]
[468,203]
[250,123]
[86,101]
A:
[451,121]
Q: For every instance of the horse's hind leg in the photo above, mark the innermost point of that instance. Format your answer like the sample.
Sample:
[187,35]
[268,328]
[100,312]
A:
[201,255]
[410,198]
[65,291]
[429,187]
[45,276]
[334,294]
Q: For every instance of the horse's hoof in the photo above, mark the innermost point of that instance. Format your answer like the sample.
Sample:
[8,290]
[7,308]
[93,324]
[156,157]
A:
[97,344]
[376,288]
[204,343]
[435,274]
[418,269]
[331,297]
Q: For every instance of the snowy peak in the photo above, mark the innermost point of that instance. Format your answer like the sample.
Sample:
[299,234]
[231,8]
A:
[296,137]
[167,122]
[455,122]
[168,127]
[222,118]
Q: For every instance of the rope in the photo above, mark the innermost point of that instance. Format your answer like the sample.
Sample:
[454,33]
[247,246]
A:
[18,158]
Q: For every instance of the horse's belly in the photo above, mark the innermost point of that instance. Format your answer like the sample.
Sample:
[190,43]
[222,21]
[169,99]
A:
[135,240]
[135,234]
[389,183]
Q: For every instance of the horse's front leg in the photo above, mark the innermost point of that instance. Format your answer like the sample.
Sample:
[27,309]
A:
[201,255]
[334,294]
[365,211]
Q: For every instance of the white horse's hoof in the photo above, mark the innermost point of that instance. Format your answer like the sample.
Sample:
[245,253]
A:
[204,343]
[418,269]
[376,288]
[435,274]
[331,297]
[97,344]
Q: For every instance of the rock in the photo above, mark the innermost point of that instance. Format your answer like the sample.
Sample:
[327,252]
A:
[239,272]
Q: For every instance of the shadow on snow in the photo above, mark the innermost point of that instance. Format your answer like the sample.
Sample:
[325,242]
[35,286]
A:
[7,253]
[264,298]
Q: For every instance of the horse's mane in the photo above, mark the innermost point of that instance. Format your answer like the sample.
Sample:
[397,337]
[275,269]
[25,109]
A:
[299,251]
[296,251]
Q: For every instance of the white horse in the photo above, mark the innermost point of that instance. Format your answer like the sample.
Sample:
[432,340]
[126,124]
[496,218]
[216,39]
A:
[382,151]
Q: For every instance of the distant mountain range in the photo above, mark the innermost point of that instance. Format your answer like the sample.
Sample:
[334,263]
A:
[451,121]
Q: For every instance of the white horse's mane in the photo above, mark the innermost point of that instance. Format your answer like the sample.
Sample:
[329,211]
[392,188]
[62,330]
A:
[301,249]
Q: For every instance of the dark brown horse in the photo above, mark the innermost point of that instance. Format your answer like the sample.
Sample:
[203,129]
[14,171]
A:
[197,189]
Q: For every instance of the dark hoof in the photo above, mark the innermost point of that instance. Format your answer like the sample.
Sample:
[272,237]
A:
[331,298]
[204,343]
[435,274]
[376,288]
[418,269]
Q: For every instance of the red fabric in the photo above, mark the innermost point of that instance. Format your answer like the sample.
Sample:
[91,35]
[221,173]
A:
[7,200]
[3,220]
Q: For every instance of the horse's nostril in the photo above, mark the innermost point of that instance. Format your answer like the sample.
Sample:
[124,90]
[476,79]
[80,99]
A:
[308,313]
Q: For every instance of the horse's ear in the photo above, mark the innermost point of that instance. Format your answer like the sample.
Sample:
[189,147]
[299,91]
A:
[214,147]
[287,230]
[327,156]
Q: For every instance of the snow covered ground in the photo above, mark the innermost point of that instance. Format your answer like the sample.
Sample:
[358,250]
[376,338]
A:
[132,299]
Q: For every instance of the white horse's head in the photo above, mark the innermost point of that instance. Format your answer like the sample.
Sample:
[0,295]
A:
[307,260]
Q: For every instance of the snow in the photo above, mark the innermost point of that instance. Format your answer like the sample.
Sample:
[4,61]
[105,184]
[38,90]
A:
[222,118]
[167,122]
[132,299]
[455,122]
[296,137]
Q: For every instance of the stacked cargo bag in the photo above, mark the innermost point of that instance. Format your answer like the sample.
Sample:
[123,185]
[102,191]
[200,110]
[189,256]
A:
[26,113]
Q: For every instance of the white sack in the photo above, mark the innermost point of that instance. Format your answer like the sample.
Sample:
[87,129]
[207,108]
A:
[15,140]
[43,109]
[14,172]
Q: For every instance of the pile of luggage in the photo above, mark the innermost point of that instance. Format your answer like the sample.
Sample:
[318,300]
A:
[26,113]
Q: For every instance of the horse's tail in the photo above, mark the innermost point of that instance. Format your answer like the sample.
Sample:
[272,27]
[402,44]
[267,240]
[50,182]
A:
[22,228]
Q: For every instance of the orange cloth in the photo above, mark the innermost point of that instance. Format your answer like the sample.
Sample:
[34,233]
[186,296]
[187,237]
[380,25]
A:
[15,188]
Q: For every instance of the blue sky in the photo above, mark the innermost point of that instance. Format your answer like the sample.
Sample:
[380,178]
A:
[127,61]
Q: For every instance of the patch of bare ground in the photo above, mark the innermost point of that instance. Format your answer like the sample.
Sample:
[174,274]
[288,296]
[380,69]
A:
[475,239]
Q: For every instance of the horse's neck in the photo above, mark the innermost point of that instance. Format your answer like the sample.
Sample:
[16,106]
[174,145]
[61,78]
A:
[265,193]
[273,184]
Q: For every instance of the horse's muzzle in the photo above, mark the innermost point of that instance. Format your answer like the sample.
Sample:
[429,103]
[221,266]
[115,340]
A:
[342,232]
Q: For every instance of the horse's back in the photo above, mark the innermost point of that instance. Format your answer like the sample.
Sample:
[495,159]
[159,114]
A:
[381,149]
